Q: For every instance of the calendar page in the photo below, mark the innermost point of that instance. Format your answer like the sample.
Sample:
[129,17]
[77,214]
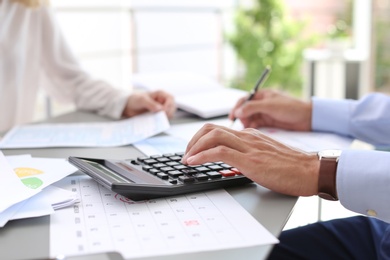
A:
[106,221]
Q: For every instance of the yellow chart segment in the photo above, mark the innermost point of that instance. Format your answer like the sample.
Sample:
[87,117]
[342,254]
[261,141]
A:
[26,172]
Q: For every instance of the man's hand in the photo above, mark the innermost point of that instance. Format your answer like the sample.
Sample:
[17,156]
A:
[270,108]
[260,158]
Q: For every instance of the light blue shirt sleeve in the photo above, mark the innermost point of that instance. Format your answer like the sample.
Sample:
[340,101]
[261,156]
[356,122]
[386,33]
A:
[367,119]
[363,177]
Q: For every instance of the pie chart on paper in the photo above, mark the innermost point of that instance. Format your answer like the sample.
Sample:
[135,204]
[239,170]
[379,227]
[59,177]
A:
[28,177]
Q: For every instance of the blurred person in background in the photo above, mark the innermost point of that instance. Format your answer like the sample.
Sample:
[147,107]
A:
[34,53]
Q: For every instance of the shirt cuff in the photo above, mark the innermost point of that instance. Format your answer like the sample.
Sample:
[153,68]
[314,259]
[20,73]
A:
[363,182]
[330,115]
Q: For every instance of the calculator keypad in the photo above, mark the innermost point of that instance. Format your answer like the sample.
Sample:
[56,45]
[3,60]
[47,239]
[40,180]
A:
[168,167]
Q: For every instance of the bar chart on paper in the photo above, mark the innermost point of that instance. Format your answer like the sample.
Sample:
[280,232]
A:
[105,221]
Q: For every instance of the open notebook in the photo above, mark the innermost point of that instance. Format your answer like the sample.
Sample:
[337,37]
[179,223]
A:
[193,93]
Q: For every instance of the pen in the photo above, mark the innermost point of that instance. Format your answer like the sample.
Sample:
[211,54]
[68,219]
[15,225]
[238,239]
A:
[262,79]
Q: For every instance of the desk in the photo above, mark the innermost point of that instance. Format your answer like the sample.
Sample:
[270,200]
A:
[29,238]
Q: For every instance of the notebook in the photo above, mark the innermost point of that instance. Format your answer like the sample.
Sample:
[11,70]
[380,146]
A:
[194,93]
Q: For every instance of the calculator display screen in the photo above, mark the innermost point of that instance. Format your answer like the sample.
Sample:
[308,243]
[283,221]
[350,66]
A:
[108,172]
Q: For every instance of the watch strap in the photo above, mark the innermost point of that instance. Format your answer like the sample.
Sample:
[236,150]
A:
[327,179]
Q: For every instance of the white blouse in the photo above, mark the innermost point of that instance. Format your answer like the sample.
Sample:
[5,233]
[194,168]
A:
[34,54]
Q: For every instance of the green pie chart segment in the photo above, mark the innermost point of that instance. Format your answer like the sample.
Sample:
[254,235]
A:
[33,182]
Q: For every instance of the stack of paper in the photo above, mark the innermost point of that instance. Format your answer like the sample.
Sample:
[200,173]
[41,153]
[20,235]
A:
[26,189]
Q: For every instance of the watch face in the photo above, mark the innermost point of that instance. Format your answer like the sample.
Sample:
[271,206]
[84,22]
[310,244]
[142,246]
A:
[329,154]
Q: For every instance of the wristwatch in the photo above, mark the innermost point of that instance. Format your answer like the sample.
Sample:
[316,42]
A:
[327,175]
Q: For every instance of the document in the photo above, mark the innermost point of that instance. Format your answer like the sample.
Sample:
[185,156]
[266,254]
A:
[45,202]
[22,180]
[188,130]
[309,141]
[196,94]
[105,221]
[102,134]
[12,189]
[41,204]
[161,145]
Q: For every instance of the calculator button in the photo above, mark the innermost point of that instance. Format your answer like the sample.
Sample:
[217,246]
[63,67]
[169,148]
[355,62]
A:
[150,161]
[175,173]
[163,159]
[189,171]
[216,167]
[214,175]
[167,169]
[208,164]
[173,181]
[155,156]
[227,173]
[236,170]
[146,168]
[162,175]
[168,154]
[202,169]
[180,167]
[141,159]
[154,171]
[180,154]
[186,179]
[172,163]
[159,165]
[134,162]
[226,166]
[175,158]
[201,177]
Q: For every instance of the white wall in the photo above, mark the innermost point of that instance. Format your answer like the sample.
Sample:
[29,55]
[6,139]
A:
[114,39]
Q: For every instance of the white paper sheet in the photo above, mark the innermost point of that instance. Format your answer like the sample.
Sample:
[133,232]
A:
[44,203]
[187,131]
[24,177]
[12,190]
[10,212]
[309,141]
[161,145]
[105,221]
[106,134]
[38,173]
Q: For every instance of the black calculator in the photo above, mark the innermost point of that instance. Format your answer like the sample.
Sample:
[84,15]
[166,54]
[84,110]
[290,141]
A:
[150,177]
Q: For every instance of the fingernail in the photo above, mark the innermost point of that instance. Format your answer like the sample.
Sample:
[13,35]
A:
[183,159]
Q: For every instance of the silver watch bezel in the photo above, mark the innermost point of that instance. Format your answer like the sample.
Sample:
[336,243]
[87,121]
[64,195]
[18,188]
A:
[329,153]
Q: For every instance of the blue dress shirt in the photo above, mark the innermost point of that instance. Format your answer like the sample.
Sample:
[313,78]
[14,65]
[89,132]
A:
[363,176]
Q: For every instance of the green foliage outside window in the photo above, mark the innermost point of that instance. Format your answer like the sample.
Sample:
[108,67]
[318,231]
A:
[263,36]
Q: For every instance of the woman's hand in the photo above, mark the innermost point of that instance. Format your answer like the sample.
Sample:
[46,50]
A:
[142,102]
[260,158]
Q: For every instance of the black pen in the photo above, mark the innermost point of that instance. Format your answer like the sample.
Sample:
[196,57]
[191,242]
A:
[262,79]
